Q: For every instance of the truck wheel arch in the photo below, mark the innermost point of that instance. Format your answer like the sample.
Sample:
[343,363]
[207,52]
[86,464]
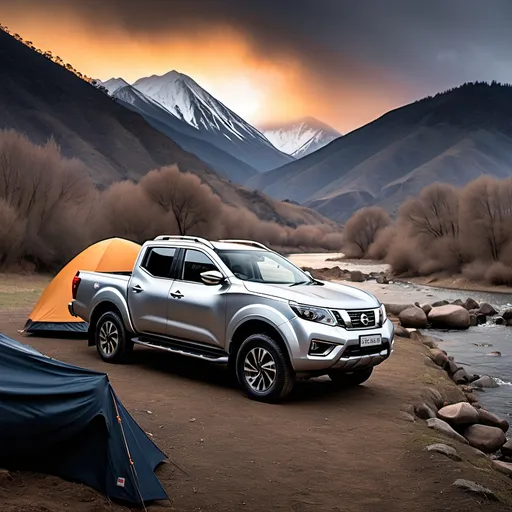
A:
[101,308]
[255,326]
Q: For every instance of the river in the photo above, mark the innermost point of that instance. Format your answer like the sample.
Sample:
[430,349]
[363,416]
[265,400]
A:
[469,348]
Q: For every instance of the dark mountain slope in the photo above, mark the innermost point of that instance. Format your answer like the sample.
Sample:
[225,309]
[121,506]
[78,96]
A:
[43,100]
[453,137]
[188,137]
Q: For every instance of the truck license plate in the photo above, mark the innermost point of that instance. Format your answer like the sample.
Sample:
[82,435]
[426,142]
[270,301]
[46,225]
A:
[370,341]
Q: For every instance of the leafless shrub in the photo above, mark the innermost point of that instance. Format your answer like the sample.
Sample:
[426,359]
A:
[12,231]
[384,239]
[499,274]
[362,229]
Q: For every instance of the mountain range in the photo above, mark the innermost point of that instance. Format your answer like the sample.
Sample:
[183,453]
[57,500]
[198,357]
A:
[44,100]
[453,137]
[184,99]
[301,137]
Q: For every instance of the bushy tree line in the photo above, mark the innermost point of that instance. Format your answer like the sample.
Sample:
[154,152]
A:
[444,229]
[50,209]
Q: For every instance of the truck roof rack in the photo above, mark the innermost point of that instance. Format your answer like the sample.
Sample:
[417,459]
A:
[186,238]
[246,242]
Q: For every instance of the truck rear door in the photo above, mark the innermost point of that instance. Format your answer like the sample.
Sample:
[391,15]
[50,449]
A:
[148,290]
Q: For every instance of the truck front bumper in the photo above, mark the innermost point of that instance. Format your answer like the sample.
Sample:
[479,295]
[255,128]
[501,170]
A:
[346,353]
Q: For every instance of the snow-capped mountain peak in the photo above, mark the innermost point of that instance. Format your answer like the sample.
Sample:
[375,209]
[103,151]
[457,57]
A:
[301,137]
[113,84]
[188,101]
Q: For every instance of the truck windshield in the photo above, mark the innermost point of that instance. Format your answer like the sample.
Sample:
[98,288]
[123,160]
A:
[263,267]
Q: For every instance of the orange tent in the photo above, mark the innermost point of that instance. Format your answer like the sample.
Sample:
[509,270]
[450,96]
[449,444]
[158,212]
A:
[51,310]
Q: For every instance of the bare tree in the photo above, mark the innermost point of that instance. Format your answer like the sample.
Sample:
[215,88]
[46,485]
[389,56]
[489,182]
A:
[362,228]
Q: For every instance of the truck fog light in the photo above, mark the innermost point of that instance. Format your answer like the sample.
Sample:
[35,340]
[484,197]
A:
[320,348]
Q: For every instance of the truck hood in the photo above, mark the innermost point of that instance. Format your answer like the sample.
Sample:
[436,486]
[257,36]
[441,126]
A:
[327,295]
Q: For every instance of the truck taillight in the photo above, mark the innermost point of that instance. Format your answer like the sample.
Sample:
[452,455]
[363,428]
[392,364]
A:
[74,286]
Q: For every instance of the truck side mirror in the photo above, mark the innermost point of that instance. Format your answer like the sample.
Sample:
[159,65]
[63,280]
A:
[212,277]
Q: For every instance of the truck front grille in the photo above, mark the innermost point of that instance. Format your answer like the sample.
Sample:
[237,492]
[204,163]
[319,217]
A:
[362,319]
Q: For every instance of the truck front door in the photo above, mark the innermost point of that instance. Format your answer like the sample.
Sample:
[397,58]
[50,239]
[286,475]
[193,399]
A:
[148,291]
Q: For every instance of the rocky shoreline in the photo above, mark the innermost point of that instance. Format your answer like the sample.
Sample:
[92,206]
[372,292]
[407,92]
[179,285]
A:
[461,421]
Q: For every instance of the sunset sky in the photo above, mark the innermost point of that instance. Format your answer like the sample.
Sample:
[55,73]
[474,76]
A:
[344,62]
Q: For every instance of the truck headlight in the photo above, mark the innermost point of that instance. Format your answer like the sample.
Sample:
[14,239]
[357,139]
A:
[382,314]
[313,314]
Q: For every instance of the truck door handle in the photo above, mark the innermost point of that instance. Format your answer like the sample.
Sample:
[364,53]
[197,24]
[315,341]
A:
[137,288]
[177,295]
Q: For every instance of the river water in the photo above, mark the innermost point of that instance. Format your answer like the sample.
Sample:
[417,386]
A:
[469,348]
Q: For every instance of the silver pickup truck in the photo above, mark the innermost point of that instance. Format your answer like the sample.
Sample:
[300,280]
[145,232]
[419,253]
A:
[237,303]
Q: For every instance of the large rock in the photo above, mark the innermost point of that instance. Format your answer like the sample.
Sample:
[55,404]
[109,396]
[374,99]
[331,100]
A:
[413,317]
[427,308]
[507,314]
[487,418]
[471,304]
[444,428]
[440,303]
[402,331]
[485,382]
[357,276]
[486,439]
[460,377]
[382,280]
[439,357]
[452,367]
[503,467]
[499,320]
[486,309]
[473,322]
[449,317]
[459,414]
[396,309]
[425,411]
[473,487]
[506,449]
[449,451]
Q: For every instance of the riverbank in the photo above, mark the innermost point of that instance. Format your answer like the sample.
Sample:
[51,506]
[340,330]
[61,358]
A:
[303,453]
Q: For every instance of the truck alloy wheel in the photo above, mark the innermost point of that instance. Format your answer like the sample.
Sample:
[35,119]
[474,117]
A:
[112,341]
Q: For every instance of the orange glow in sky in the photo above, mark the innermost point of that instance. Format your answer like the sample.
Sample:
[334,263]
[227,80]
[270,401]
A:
[258,88]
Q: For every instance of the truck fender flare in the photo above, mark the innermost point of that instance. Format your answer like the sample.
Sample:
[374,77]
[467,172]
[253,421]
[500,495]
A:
[115,297]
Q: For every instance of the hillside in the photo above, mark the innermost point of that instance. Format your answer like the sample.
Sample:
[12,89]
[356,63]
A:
[453,137]
[43,100]
[188,137]
[216,123]
[301,137]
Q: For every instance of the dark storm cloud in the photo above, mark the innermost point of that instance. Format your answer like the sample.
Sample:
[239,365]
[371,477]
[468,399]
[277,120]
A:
[428,45]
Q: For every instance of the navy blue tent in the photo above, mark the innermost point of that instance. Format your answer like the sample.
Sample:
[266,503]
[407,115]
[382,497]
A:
[67,421]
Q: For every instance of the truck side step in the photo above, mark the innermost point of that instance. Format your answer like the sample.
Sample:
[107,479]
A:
[206,353]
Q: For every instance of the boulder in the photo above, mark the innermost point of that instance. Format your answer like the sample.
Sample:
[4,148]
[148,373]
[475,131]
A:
[506,449]
[357,276]
[440,303]
[460,377]
[449,451]
[503,467]
[452,367]
[450,317]
[424,411]
[382,280]
[486,439]
[486,309]
[413,317]
[439,357]
[471,304]
[473,487]
[396,309]
[459,414]
[402,331]
[427,308]
[433,396]
[487,418]
[507,314]
[481,319]
[508,322]
[499,320]
[444,428]
[458,302]
[485,382]
[472,320]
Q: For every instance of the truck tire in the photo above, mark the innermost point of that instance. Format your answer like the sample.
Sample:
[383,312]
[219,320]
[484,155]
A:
[112,340]
[344,379]
[263,369]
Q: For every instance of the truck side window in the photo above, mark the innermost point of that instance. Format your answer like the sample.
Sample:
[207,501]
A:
[158,261]
[195,263]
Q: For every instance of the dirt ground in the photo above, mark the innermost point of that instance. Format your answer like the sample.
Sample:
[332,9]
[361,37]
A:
[322,450]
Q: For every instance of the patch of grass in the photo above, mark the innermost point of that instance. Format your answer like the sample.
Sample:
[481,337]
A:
[18,291]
